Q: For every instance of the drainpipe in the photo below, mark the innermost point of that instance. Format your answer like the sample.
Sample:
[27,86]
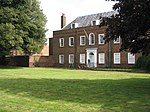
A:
[110,54]
[75,45]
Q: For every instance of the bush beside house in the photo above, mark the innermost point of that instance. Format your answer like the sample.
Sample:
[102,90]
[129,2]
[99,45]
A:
[143,62]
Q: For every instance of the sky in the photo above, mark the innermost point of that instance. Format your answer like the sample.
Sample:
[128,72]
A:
[53,10]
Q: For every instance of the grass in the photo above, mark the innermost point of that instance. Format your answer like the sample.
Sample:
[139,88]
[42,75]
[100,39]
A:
[63,90]
[121,69]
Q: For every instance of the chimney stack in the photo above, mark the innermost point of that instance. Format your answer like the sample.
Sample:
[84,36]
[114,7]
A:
[63,20]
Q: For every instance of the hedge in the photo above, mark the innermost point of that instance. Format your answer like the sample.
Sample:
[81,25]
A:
[143,62]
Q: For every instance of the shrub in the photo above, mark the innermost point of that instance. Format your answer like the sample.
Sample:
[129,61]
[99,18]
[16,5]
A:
[143,62]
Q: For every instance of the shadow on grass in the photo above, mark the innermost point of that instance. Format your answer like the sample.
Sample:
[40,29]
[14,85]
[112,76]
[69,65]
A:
[128,70]
[10,67]
[127,94]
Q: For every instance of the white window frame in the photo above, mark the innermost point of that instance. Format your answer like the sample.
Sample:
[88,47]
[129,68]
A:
[71,61]
[82,40]
[101,58]
[74,25]
[95,22]
[82,58]
[61,59]
[117,41]
[117,58]
[90,39]
[101,36]
[131,58]
[70,42]
[61,42]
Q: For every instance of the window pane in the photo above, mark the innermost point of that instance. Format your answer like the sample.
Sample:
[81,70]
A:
[73,26]
[93,23]
[131,58]
[82,40]
[117,40]
[101,39]
[92,39]
[71,59]
[71,41]
[116,58]
[61,42]
[61,59]
[101,58]
[82,58]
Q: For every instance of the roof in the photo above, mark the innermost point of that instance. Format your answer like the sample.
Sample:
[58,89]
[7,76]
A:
[84,21]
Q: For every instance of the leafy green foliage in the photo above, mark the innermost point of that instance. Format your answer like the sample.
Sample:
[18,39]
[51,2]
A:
[143,62]
[132,23]
[22,26]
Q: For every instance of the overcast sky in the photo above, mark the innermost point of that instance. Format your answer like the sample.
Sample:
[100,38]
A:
[53,10]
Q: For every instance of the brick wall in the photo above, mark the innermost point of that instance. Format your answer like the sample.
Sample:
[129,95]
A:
[40,61]
[77,49]
[30,61]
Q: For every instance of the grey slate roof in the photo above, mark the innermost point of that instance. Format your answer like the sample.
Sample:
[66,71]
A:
[84,21]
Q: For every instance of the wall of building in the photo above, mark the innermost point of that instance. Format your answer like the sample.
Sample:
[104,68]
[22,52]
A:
[30,61]
[77,49]
[40,61]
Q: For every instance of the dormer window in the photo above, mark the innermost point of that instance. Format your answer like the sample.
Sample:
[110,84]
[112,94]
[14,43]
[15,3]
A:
[95,22]
[74,25]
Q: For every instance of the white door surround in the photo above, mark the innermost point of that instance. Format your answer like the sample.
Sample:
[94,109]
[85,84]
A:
[91,57]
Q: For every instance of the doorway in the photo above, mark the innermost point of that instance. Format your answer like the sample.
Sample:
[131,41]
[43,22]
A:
[91,57]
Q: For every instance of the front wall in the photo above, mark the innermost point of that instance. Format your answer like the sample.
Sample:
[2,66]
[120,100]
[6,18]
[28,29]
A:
[77,49]
[66,50]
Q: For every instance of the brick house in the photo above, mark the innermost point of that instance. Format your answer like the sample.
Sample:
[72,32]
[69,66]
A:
[81,43]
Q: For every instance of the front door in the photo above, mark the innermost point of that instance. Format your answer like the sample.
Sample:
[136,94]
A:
[91,57]
[91,61]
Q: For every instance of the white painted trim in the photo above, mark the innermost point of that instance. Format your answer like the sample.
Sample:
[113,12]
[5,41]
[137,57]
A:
[70,41]
[131,57]
[74,25]
[99,36]
[95,22]
[81,40]
[90,39]
[82,58]
[101,56]
[94,51]
[119,58]
[60,40]
[61,61]
[117,42]
[70,58]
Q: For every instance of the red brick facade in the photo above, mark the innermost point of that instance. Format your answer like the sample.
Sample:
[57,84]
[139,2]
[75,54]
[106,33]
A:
[108,49]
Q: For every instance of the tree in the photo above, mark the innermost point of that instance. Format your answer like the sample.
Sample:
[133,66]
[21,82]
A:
[22,27]
[132,24]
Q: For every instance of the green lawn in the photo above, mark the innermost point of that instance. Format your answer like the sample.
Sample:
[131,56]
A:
[62,90]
